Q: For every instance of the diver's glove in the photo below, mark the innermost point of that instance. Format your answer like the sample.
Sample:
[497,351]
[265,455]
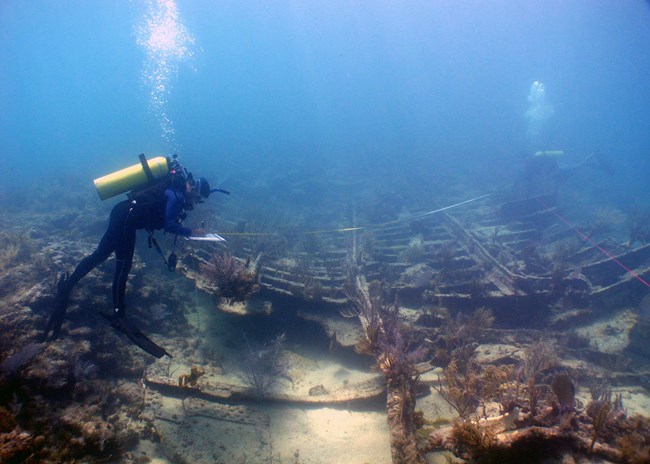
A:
[60,306]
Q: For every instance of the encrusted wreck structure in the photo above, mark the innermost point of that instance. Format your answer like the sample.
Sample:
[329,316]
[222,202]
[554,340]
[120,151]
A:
[504,255]
[478,298]
[523,260]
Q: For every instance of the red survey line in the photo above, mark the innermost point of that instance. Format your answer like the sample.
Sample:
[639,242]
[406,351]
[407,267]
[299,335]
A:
[602,250]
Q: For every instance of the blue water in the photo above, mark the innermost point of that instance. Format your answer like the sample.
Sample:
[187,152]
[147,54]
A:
[332,87]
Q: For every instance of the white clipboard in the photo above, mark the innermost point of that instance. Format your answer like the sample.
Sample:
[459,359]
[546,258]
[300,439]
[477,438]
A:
[208,238]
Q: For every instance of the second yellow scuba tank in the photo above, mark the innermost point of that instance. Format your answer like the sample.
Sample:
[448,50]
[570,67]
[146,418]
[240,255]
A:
[132,177]
[549,153]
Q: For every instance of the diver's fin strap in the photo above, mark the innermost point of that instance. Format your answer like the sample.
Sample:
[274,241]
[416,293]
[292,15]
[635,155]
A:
[145,166]
[137,337]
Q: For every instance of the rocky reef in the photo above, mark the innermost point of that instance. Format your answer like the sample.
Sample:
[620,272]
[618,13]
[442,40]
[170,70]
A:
[488,341]
[79,398]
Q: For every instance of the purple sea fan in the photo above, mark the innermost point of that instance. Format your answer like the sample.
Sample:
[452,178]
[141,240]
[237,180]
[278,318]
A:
[564,390]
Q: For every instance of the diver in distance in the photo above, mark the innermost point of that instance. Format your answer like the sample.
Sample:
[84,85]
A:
[159,204]
[538,184]
[543,174]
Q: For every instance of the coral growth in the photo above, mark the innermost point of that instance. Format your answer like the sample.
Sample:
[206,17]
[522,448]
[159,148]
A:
[600,413]
[263,366]
[634,440]
[459,335]
[415,251]
[235,280]
[466,386]
[538,357]
[185,380]
[460,388]
[7,420]
[386,336]
[311,287]
[564,391]
[533,425]
[22,264]
[395,348]
[472,440]
[15,446]
[15,250]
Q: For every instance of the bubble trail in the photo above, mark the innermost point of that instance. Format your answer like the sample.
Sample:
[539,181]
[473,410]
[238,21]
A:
[166,43]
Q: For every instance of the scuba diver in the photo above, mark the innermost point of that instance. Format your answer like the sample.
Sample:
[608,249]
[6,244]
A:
[543,174]
[538,184]
[159,204]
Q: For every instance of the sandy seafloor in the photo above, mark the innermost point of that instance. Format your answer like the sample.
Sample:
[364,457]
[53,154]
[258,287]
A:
[198,431]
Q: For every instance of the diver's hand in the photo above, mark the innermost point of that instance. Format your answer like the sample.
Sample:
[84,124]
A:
[199,232]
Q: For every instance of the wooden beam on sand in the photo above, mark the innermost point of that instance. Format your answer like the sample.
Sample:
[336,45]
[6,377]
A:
[352,396]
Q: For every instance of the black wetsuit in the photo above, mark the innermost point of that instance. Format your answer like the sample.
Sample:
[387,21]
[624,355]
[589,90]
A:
[127,217]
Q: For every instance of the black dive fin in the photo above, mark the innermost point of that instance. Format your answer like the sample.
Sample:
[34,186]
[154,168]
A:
[55,321]
[137,337]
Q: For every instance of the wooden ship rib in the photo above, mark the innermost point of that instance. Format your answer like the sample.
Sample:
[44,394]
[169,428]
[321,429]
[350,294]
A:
[503,255]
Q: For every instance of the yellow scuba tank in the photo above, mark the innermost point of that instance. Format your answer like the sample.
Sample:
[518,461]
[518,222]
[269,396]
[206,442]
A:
[132,177]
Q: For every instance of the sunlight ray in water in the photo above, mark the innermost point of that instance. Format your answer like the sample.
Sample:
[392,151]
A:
[166,43]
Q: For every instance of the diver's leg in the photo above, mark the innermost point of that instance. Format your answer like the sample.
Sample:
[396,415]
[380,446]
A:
[102,252]
[106,245]
[66,283]
[124,249]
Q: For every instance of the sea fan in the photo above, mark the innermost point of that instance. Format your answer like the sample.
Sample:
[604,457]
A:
[263,366]
[234,279]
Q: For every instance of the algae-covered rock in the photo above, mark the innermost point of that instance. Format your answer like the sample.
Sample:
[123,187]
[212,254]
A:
[15,446]
[639,336]
[640,332]
[318,390]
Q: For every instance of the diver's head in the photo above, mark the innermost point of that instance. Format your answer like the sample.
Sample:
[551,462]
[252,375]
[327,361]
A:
[198,189]
[203,188]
